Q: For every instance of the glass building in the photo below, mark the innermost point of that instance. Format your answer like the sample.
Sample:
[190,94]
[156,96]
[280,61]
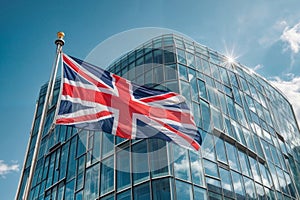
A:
[250,149]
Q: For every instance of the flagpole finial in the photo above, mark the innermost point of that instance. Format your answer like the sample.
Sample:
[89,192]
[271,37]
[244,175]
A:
[60,39]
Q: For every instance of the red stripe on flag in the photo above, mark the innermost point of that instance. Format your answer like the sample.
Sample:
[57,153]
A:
[176,116]
[158,98]
[86,94]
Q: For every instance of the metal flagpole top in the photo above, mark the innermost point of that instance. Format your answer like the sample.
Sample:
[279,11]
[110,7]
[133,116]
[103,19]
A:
[60,39]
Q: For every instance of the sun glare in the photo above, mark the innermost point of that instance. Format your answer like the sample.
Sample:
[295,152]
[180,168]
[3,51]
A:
[230,60]
[231,53]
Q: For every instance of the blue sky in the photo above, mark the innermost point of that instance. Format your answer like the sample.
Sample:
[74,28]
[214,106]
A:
[263,35]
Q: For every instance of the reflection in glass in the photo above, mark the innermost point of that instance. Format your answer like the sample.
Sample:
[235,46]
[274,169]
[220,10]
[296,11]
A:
[210,168]
[107,144]
[123,168]
[232,156]
[181,56]
[249,187]
[220,150]
[91,186]
[141,192]
[107,175]
[196,168]
[226,181]
[255,169]
[161,189]
[140,161]
[213,184]
[181,163]
[199,193]
[158,157]
[208,150]
[237,183]
[183,190]
[126,195]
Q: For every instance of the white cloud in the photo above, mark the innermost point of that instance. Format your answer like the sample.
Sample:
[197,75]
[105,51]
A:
[7,168]
[291,89]
[257,67]
[272,34]
[292,37]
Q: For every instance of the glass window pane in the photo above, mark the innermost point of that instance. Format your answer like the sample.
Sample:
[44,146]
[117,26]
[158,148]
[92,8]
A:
[220,150]
[181,56]
[231,108]
[208,150]
[79,195]
[206,116]
[91,186]
[183,72]
[96,147]
[148,59]
[157,56]
[224,75]
[185,91]
[196,113]
[159,74]
[149,77]
[258,146]
[170,72]
[213,97]
[202,89]
[196,167]
[226,182]
[237,183]
[126,195]
[172,86]
[190,59]
[232,157]
[63,161]
[255,169]
[260,191]
[193,82]
[107,143]
[249,187]
[123,168]
[265,176]
[245,164]
[107,175]
[199,193]
[141,192]
[249,140]
[210,168]
[183,190]
[206,67]
[82,141]
[290,184]
[161,189]
[181,163]
[238,132]
[108,197]
[140,167]
[213,184]
[158,157]
[169,55]
[69,193]
[215,71]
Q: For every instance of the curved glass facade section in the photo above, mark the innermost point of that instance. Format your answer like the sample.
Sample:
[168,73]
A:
[250,137]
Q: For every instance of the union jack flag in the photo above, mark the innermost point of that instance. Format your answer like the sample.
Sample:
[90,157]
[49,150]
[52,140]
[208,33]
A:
[95,99]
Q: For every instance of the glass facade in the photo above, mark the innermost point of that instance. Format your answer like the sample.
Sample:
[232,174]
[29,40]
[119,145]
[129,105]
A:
[250,149]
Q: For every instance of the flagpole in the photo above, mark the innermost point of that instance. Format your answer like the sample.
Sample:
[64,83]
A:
[48,99]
